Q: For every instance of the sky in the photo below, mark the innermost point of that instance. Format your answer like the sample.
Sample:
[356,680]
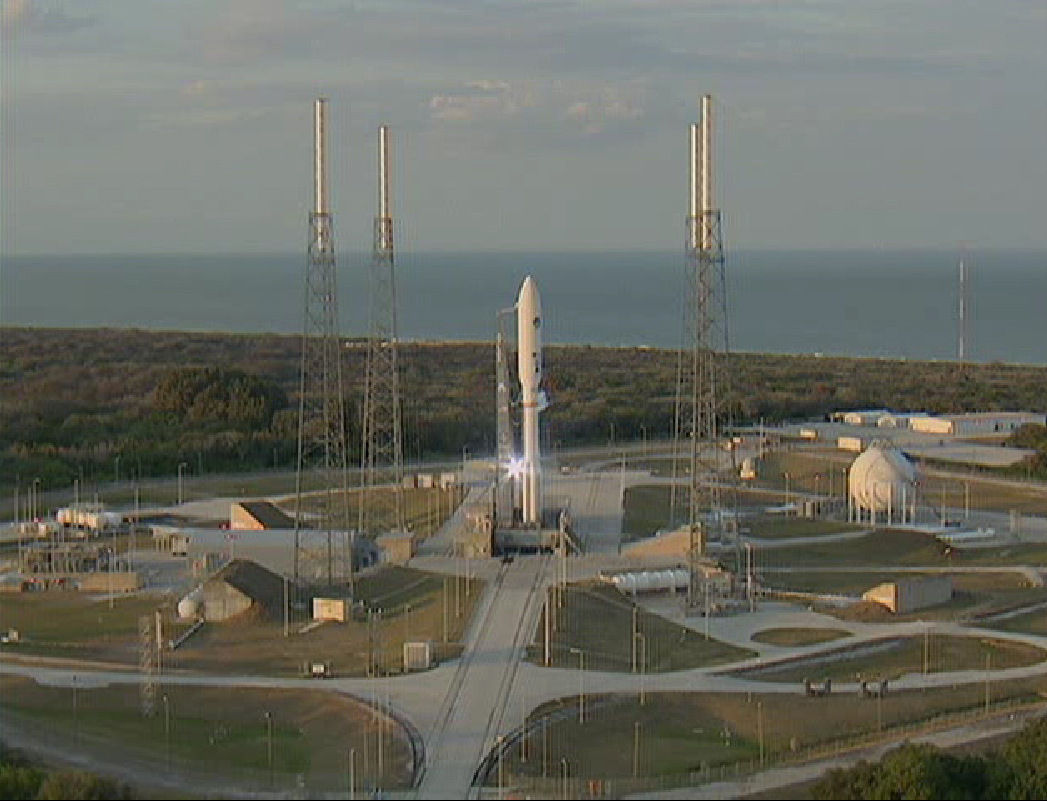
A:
[186,127]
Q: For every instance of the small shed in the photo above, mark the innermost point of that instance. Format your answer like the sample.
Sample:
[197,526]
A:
[397,547]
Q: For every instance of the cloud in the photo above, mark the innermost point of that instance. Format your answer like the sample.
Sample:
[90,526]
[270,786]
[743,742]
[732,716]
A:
[554,111]
[25,17]
[197,88]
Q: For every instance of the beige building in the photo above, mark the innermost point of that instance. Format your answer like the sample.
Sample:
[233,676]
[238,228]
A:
[257,516]
[911,594]
[976,423]
[396,547]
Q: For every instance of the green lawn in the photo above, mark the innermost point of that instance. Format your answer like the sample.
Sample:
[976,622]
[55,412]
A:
[672,734]
[792,637]
[891,657]
[598,620]
[219,733]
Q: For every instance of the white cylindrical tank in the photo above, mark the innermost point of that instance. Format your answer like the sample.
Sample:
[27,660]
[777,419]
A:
[881,478]
[682,578]
[189,606]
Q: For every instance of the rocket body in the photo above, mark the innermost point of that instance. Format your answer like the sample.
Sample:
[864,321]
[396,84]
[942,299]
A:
[529,356]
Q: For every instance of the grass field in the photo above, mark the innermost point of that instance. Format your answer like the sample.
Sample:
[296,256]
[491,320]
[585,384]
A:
[855,581]
[673,733]
[598,620]
[796,637]
[413,605]
[891,657]
[814,471]
[217,735]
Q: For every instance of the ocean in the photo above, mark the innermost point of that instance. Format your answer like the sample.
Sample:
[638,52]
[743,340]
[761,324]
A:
[895,304]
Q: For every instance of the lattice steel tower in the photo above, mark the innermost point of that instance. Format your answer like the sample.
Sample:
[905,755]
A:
[322,551]
[382,509]
[702,380]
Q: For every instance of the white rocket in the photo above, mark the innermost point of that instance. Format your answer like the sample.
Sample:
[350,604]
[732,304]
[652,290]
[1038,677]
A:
[529,356]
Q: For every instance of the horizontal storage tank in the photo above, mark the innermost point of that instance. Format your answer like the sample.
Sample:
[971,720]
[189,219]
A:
[191,605]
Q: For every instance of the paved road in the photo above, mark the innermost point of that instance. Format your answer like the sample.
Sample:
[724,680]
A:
[462,707]
[472,716]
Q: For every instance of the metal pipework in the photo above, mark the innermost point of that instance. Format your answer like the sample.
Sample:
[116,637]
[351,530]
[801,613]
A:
[319,167]
[384,214]
[706,168]
[693,211]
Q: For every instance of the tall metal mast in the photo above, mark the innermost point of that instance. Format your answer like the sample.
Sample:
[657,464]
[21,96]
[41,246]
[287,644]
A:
[322,472]
[962,351]
[382,454]
[702,384]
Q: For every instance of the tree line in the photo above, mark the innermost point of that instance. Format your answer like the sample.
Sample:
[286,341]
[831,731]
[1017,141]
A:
[101,404]
[1016,770]
[20,780]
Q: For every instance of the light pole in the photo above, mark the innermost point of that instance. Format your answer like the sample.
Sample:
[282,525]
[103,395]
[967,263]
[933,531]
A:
[501,783]
[581,683]
[269,744]
[643,665]
[36,497]
[759,726]
[167,731]
[352,774]
[181,467]
[76,714]
[564,765]
[635,631]
[787,487]
[636,749]
[116,470]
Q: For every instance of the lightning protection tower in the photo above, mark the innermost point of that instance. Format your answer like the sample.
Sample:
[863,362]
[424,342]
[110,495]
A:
[322,552]
[382,452]
[702,369]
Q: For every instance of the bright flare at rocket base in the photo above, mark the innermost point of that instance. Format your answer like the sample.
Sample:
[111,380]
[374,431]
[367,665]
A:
[529,364]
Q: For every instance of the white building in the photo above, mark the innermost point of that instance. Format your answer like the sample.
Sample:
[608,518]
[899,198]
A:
[976,423]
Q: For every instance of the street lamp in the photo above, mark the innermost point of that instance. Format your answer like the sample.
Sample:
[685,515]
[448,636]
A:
[581,683]
[501,749]
[564,765]
[269,739]
[759,723]
[167,730]
[181,467]
[643,664]
[116,470]
[36,496]
[352,774]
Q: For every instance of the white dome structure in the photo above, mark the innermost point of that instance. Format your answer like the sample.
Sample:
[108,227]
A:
[882,480]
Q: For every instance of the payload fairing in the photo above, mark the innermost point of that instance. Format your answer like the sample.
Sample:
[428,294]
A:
[529,364]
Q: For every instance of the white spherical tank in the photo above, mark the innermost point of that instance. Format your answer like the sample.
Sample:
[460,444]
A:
[881,478]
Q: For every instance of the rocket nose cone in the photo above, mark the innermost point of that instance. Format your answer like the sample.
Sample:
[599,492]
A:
[529,295]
